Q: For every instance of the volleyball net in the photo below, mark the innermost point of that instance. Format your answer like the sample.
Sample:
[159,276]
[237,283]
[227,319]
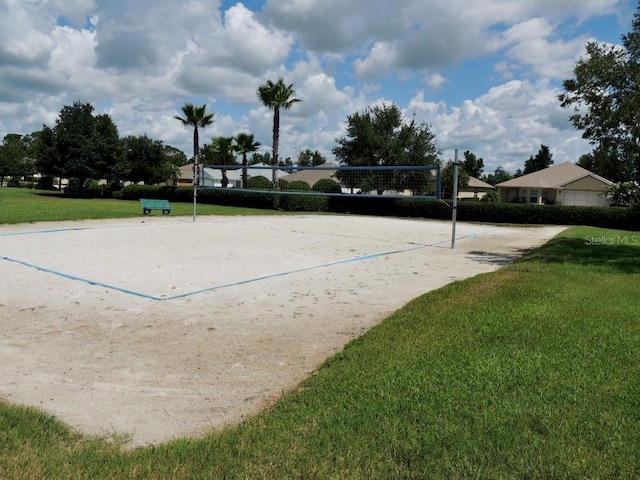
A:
[422,181]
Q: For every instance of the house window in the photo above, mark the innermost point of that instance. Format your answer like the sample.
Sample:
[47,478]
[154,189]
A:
[544,196]
[475,193]
[533,196]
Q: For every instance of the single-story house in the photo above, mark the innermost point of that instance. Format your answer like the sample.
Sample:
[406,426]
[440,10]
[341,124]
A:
[562,184]
[475,188]
[212,177]
[184,178]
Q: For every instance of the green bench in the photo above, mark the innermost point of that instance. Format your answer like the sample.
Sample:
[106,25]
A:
[154,204]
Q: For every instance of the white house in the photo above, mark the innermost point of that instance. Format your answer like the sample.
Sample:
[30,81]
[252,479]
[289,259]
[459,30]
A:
[562,184]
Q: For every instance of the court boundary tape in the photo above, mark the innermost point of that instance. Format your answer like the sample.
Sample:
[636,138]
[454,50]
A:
[163,298]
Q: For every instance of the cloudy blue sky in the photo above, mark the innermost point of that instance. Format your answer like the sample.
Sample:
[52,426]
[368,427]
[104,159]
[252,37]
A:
[484,74]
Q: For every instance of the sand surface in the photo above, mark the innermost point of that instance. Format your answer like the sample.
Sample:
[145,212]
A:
[155,328]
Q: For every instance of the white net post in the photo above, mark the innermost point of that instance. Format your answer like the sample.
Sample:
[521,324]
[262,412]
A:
[454,210]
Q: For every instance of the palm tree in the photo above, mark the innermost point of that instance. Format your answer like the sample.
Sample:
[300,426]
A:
[275,96]
[245,143]
[223,149]
[196,117]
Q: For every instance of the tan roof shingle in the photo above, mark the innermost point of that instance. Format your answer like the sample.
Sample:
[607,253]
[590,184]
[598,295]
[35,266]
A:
[554,177]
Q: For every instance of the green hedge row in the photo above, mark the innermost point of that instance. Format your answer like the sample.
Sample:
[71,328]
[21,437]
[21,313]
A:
[614,217]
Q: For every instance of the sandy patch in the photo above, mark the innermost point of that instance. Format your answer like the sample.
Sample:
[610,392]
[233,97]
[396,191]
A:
[158,328]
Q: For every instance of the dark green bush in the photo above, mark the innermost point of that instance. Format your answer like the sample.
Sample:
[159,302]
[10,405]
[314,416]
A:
[326,185]
[14,182]
[259,183]
[491,197]
[45,183]
[303,203]
[73,187]
[264,199]
[298,186]
[91,189]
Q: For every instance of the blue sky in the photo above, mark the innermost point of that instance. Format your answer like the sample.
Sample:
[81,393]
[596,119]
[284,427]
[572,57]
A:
[484,75]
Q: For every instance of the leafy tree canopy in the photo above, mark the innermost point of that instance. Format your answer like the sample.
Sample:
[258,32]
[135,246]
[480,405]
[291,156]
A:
[542,160]
[80,145]
[15,156]
[380,136]
[258,157]
[447,178]
[307,158]
[472,165]
[604,95]
[499,175]
[146,160]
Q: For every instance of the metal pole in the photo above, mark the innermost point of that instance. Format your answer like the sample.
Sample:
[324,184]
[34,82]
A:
[195,184]
[454,211]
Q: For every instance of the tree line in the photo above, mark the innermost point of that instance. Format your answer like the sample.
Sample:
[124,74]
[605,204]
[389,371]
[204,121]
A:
[85,146]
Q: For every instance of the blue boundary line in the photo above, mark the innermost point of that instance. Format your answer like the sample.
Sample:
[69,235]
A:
[227,285]
[80,279]
[53,230]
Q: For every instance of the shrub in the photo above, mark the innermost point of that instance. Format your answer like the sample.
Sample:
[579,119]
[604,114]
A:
[298,186]
[303,203]
[45,183]
[14,182]
[282,184]
[326,185]
[259,183]
[91,189]
[491,197]
[73,187]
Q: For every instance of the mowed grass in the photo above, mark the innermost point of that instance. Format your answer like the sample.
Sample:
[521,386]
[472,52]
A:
[19,205]
[528,372]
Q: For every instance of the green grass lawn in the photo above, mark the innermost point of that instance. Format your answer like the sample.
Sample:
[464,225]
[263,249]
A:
[528,372]
[19,205]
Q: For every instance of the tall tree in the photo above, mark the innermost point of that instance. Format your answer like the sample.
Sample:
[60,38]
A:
[221,150]
[276,96]
[196,117]
[146,160]
[542,160]
[380,136]
[175,156]
[604,95]
[13,156]
[499,175]
[446,176]
[257,157]
[245,143]
[472,165]
[80,145]
[307,158]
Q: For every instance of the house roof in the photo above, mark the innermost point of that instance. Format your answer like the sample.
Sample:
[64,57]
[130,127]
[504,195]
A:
[313,175]
[215,174]
[264,170]
[554,177]
[186,172]
[477,183]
